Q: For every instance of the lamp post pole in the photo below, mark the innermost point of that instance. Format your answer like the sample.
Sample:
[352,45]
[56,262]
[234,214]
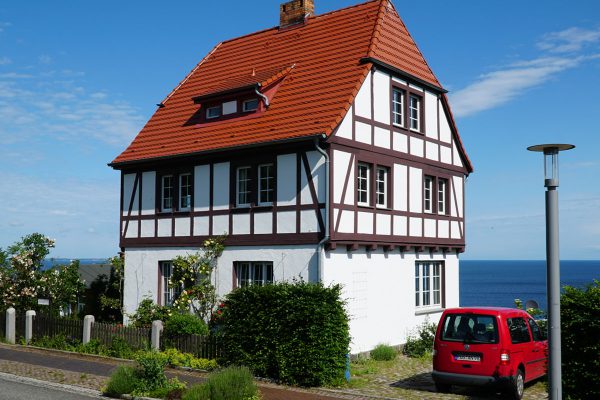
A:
[552,265]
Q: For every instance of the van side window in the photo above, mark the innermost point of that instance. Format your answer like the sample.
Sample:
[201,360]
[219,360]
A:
[519,333]
[535,331]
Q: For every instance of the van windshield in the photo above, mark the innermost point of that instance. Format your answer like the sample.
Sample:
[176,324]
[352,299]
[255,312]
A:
[470,328]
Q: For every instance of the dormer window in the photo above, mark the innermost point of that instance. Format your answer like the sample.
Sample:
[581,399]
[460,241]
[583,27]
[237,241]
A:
[213,112]
[250,105]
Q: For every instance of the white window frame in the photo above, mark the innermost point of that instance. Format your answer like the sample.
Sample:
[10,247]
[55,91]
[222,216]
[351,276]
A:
[167,295]
[428,184]
[400,105]
[182,196]
[253,273]
[381,190]
[209,109]
[245,107]
[417,120]
[428,284]
[367,184]
[442,192]
[270,185]
[247,190]
[162,193]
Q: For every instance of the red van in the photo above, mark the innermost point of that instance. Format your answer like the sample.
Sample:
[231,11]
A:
[488,345]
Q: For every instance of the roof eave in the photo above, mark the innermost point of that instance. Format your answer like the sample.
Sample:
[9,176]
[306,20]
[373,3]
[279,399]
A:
[204,97]
[398,71]
[125,164]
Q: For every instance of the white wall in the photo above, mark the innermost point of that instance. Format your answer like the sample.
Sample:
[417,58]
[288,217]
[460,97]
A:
[379,289]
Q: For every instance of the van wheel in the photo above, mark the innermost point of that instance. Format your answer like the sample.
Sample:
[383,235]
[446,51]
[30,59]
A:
[517,386]
[442,387]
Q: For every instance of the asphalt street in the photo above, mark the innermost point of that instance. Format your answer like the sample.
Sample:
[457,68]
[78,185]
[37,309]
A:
[18,388]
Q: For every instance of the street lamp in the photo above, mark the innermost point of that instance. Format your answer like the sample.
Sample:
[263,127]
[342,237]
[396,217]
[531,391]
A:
[552,263]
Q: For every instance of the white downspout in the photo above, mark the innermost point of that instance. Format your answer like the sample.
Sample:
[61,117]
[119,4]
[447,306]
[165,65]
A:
[321,245]
[265,98]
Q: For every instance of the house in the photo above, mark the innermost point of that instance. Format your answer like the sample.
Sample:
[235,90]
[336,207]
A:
[325,147]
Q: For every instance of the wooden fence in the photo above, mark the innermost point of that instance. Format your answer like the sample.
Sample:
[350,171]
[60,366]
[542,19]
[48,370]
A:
[200,346]
[19,326]
[137,338]
[71,329]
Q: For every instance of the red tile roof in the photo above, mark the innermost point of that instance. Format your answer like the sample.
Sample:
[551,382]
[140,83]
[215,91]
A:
[321,62]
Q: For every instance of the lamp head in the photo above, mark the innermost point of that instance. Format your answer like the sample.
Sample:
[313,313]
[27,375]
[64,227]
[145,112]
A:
[550,161]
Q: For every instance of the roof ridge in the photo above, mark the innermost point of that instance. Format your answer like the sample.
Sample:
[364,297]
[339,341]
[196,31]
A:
[376,29]
[416,46]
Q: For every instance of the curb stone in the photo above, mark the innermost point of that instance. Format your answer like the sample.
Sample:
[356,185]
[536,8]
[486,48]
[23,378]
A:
[53,385]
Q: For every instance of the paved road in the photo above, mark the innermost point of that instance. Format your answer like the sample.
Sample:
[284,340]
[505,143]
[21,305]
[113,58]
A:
[18,388]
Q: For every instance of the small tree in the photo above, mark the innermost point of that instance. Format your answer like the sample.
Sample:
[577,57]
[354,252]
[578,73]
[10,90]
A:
[192,273]
[62,286]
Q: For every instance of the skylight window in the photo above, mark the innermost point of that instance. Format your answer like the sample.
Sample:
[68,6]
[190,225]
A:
[213,112]
[250,105]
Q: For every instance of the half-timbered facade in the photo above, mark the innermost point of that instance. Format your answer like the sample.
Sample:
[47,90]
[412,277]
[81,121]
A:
[327,151]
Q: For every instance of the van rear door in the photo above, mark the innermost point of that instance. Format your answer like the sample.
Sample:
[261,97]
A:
[468,343]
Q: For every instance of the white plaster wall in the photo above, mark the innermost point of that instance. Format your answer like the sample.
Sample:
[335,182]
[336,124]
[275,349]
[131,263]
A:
[142,274]
[165,227]
[182,226]
[445,132]
[379,289]
[400,142]
[365,223]
[415,227]
[263,223]
[128,181]
[432,151]
[383,224]
[381,97]
[446,154]
[241,224]
[132,229]
[400,225]
[429,227]
[286,179]
[220,224]
[416,189]
[286,222]
[457,192]
[382,138]
[363,132]
[417,147]
[221,186]
[345,128]
[316,164]
[362,103]
[308,221]
[340,168]
[202,188]
[148,193]
[431,115]
[456,156]
[201,225]
[400,187]
[346,222]
[147,228]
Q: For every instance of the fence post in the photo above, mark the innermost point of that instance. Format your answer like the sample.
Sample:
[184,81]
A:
[10,326]
[29,325]
[157,327]
[88,320]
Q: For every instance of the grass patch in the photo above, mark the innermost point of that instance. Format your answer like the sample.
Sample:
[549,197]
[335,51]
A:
[123,381]
[383,352]
[232,383]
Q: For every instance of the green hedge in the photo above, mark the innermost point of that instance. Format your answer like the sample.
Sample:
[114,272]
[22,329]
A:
[296,333]
[580,326]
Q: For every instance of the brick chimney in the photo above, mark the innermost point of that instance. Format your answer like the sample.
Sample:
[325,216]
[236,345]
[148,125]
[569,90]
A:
[295,11]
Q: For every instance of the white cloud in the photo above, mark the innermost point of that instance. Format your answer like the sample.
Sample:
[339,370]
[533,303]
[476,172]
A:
[568,40]
[4,25]
[501,86]
[45,59]
[5,60]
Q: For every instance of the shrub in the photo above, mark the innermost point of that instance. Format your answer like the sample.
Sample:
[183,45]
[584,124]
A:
[580,346]
[176,358]
[383,352]
[293,332]
[421,343]
[120,348]
[151,370]
[93,347]
[232,383]
[147,312]
[123,381]
[185,324]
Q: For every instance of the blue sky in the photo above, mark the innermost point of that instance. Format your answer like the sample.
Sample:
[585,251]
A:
[79,79]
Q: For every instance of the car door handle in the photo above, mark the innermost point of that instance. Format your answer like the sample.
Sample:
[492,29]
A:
[536,350]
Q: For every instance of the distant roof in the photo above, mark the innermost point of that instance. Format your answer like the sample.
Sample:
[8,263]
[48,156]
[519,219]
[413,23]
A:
[89,272]
[320,66]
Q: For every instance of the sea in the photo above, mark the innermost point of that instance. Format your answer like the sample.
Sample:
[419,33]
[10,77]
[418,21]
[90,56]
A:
[499,283]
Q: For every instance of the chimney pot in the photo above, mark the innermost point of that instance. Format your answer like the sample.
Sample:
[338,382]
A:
[295,11]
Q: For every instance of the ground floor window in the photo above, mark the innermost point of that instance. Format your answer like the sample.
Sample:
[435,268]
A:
[428,283]
[167,294]
[253,273]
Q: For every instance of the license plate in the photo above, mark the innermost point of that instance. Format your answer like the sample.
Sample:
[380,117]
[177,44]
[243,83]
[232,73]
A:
[467,358]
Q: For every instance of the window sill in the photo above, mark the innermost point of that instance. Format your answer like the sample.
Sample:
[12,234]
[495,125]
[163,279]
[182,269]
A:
[426,311]
[416,131]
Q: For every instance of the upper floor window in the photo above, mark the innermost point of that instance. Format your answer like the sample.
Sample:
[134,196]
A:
[250,105]
[381,182]
[428,283]
[428,194]
[185,191]
[266,184]
[213,112]
[362,184]
[243,186]
[398,106]
[253,273]
[415,112]
[167,193]
[435,195]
